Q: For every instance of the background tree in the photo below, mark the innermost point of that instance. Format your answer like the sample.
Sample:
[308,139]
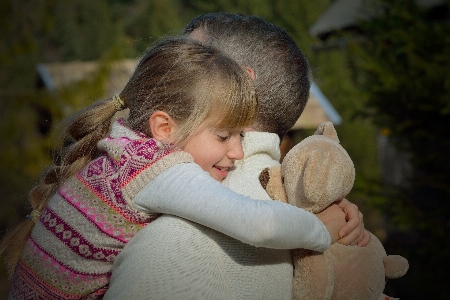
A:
[403,68]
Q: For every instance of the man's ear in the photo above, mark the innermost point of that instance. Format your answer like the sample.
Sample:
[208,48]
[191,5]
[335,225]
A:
[162,126]
[251,72]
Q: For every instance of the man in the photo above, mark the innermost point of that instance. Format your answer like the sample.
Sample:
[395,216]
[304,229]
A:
[176,259]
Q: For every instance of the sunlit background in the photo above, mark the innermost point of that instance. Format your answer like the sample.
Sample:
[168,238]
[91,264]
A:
[381,73]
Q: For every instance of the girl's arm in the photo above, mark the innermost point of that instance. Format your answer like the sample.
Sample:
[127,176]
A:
[186,191]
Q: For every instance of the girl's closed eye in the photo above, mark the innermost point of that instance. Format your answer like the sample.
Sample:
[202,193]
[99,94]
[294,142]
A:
[223,137]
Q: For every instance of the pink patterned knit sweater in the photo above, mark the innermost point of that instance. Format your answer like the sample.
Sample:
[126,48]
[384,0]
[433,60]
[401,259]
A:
[85,225]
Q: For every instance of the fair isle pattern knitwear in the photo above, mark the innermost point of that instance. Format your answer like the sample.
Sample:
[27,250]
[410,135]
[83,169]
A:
[86,224]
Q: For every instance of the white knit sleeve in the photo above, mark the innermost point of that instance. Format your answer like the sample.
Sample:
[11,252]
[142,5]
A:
[186,191]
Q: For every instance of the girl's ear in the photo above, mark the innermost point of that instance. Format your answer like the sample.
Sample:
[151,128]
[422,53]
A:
[162,126]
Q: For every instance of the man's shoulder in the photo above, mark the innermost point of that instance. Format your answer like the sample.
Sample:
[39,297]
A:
[244,179]
[261,150]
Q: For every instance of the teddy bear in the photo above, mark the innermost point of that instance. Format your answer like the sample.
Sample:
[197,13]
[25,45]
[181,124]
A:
[315,173]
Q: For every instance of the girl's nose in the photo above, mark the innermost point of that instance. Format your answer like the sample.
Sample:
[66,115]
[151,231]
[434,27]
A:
[236,152]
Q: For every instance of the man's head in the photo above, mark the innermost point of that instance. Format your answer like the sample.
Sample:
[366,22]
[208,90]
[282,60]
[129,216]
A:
[280,69]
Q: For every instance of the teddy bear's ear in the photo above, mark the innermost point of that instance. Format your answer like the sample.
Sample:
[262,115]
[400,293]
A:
[272,181]
[327,129]
[264,178]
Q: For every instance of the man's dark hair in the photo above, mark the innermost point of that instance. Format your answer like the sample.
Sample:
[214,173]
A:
[282,72]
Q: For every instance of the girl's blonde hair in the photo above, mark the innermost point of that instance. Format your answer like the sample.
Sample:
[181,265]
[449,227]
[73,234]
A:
[194,84]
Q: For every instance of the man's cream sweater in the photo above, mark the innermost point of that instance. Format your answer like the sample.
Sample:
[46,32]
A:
[173,258]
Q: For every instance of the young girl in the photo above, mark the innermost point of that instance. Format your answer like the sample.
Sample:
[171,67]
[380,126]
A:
[188,103]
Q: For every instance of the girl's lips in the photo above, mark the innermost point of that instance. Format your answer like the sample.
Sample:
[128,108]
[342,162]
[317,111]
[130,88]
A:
[223,171]
[222,168]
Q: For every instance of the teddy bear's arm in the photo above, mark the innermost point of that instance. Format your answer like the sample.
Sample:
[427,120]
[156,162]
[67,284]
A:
[395,266]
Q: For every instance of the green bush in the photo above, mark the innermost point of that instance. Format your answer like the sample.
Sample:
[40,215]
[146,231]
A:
[403,68]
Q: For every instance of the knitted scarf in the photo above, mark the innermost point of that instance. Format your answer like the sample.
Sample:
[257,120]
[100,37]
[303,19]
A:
[85,225]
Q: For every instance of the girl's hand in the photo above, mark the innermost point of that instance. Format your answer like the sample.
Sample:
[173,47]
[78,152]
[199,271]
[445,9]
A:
[333,218]
[353,232]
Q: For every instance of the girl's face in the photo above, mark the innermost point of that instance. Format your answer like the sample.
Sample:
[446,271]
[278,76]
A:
[215,150]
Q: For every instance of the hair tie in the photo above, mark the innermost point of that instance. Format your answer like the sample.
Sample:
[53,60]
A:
[119,104]
[34,216]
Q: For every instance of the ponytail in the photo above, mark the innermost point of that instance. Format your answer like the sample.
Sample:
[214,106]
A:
[80,136]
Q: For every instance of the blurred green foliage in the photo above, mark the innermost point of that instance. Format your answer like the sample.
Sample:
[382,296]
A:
[403,70]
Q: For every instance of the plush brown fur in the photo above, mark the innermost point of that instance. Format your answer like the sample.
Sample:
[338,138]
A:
[315,173]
